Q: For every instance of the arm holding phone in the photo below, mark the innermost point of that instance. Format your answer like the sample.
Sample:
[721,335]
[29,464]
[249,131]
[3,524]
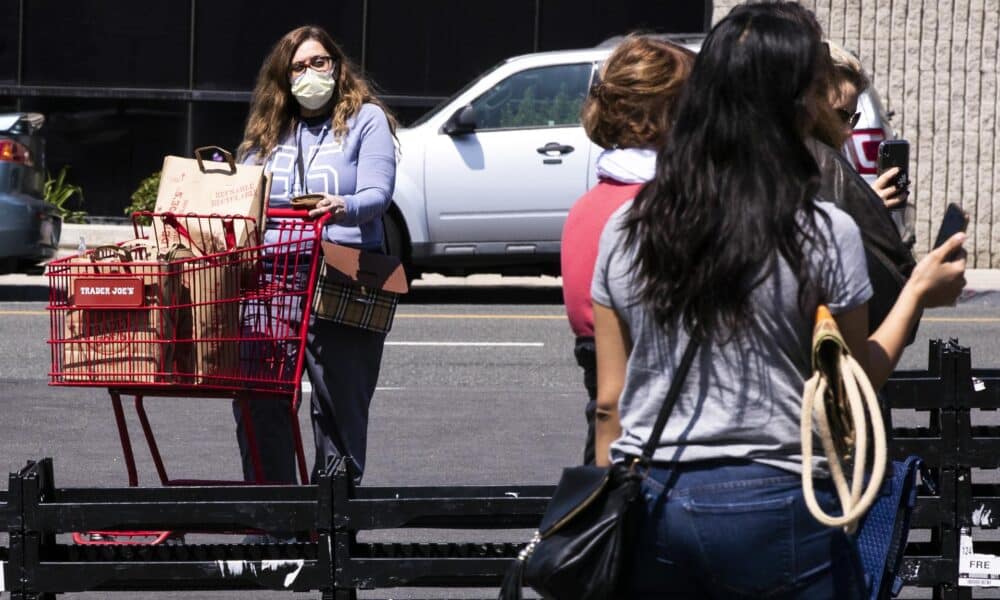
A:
[936,281]
[374,174]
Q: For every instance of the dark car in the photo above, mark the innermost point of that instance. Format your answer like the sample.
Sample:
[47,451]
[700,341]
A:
[29,227]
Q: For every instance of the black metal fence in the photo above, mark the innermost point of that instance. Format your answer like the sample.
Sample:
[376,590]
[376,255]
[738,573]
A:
[37,565]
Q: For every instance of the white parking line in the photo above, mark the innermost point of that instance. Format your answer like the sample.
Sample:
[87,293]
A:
[307,388]
[471,344]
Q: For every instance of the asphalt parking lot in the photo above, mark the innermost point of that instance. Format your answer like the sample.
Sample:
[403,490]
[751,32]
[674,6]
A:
[478,386]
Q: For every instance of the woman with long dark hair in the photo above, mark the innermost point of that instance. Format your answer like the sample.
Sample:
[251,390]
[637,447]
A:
[727,245]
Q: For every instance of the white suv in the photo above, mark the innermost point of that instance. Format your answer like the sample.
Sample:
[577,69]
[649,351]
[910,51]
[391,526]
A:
[485,180]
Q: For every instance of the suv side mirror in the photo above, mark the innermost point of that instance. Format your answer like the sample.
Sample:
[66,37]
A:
[462,122]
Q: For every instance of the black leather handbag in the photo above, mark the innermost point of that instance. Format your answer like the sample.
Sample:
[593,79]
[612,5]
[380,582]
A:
[587,530]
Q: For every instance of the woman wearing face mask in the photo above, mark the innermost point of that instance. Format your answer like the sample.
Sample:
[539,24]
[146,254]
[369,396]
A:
[317,128]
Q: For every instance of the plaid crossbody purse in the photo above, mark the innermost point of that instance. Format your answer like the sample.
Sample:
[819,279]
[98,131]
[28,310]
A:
[358,289]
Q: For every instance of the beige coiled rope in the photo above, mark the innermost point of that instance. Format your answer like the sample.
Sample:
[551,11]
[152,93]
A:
[839,393]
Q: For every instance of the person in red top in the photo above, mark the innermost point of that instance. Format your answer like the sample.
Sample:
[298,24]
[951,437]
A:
[628,113]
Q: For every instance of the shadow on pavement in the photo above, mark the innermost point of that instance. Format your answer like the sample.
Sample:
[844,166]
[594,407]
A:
[13,292]
[460,294]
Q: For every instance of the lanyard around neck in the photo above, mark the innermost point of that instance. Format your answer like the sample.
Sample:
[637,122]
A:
[303,166]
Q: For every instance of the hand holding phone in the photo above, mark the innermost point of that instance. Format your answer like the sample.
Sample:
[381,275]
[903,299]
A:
[895,153]
[955,220]
[939,277]
[892,196]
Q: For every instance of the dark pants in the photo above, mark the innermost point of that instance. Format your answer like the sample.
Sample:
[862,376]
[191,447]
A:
[343,365]
[586,357]
[739,530]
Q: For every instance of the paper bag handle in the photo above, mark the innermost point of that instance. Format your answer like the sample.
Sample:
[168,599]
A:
[225,154]
[101,253]
[171,220]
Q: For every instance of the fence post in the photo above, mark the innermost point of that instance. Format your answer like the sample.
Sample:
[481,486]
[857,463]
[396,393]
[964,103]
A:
[343,537]
[956,472]
[324,525]
[33,481]
[14,575]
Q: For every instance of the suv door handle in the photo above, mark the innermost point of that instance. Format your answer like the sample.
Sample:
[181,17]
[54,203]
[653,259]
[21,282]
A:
[555,147]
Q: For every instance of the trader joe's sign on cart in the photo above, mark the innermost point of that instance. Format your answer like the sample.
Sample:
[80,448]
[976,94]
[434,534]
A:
[108,292]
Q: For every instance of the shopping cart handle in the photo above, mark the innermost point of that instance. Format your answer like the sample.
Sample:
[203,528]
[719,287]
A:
[294,213]
[287,213]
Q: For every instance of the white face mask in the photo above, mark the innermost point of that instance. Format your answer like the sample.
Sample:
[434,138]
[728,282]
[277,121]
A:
[313,89]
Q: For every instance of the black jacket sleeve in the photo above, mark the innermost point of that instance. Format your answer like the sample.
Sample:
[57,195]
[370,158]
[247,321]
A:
[890,261]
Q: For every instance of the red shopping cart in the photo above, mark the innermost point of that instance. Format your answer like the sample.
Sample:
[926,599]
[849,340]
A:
[196,306]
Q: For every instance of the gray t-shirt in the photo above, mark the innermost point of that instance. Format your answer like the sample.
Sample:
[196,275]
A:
[741,399]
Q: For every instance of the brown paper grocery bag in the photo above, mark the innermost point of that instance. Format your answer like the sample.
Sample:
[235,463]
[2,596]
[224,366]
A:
[113,346]
[206,187]
[207,351]
[118,345]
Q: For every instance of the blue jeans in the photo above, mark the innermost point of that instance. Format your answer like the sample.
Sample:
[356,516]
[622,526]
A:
[739,530]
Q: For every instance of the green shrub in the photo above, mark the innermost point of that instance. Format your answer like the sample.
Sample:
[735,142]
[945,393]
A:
[58,192]
[144,197]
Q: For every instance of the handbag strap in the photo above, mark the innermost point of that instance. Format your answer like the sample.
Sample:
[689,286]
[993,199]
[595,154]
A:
[668,405]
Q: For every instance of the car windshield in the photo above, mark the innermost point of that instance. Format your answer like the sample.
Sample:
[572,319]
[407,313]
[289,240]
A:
[427,115]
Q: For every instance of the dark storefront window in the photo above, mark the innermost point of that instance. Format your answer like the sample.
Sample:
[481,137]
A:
[219,124]
[415,49]
[8,41]
[135,81]
[106,43]
[109,145]
[233,37]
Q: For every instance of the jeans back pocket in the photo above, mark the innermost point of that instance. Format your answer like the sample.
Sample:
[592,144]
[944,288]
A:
[747,544]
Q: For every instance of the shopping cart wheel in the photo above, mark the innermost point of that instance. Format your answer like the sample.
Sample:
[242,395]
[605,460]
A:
[127,538]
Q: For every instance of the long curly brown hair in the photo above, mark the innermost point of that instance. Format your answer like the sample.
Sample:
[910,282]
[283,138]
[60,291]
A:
[274,110]
[632,104]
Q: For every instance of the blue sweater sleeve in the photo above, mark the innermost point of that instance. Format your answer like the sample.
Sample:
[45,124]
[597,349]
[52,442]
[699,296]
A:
[376,169]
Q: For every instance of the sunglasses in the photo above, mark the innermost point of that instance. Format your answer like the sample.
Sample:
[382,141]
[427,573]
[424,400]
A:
[320,62]
[848,117]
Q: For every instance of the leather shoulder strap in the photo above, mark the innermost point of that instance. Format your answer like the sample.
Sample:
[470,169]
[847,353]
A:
[668,404]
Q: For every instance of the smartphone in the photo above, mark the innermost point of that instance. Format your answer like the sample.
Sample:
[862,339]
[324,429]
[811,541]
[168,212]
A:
[955,220]
[305,201]
[895,153]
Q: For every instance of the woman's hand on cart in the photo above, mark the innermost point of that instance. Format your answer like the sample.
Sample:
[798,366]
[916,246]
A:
[332,205]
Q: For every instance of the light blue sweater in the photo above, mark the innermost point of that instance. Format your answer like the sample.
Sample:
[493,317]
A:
[361,168]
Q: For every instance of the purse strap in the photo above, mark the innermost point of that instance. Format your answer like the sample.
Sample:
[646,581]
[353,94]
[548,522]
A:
[668,405]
